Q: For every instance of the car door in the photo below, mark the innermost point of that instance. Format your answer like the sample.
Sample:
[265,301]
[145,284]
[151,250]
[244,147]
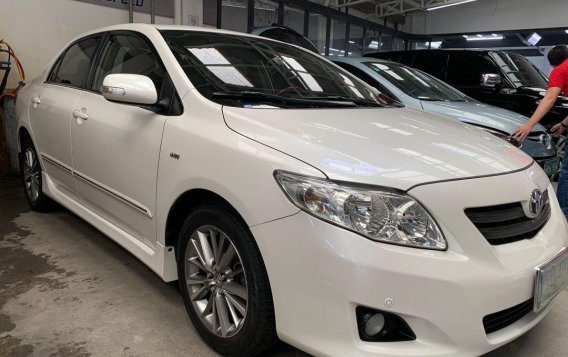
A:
[51,111]
[465,70]
[116,147]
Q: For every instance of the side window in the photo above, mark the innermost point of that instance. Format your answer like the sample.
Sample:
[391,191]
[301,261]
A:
[366,78]
[432,63]
[465,69]
[128,54]
[73,67]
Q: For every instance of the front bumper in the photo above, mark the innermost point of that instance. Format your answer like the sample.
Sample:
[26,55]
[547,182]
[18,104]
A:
[319,273]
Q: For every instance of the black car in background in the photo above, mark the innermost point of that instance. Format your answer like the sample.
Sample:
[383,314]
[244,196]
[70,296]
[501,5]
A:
[503,79]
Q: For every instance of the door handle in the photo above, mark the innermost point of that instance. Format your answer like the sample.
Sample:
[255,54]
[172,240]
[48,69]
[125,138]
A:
[80,115]
[36,101]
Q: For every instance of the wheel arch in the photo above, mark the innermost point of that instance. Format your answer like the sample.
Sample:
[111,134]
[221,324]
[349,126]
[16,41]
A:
[23,134]
[185,203]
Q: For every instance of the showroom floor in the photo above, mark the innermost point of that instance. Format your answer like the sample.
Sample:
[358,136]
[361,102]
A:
[67,290]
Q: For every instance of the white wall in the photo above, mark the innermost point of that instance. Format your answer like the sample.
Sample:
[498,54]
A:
[491,15]
[38,30]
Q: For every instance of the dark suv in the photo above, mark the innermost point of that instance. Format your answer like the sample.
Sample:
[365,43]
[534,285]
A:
[503,79]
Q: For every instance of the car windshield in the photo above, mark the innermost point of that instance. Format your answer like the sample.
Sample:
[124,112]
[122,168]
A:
[521,71]
[416,83]
[254,72]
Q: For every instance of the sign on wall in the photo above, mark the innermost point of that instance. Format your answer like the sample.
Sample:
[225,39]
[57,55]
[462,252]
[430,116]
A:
[163,7]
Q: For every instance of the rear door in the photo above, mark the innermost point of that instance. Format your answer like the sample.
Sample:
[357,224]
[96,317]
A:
[117,148]
[51,111]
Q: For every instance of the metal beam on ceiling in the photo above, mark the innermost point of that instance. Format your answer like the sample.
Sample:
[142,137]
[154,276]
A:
[383,8]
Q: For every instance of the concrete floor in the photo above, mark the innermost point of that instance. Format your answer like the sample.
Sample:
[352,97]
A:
[67,290]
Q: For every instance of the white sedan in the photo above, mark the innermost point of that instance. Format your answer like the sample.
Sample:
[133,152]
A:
[291,200]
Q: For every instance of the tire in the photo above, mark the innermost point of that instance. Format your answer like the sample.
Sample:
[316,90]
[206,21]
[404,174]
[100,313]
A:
[231,324]
[31,172]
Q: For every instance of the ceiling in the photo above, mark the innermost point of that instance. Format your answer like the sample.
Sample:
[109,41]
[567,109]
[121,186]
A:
[383,8]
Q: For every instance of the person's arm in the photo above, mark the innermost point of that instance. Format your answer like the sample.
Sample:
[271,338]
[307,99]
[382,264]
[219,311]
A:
[559,128]
[543,108]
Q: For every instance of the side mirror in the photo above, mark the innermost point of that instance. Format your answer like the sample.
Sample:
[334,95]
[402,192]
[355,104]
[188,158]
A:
[490,80]
[129,88]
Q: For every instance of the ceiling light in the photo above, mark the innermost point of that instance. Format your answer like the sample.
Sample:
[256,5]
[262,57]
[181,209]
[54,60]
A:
[534,39]
[566,31]
[448,5]
[484,38]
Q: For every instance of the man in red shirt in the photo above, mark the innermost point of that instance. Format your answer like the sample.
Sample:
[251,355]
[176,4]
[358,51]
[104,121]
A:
[557,83]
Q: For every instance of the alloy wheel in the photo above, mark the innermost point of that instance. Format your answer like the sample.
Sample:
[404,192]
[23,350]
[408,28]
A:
[32,172]
[216,281]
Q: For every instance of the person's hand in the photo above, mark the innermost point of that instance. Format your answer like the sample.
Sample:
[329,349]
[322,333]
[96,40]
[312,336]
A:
[557,130]
[522,132]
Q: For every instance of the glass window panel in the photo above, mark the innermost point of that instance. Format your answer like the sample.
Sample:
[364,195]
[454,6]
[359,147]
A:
[128,54]
[234,15]
[227,63]
[398,44]
[74,66]
[355,41]
[265,13]
[465,70]
[317,29]
[372,41]
[386,43]
[294,19]
[337,41]
[210,13]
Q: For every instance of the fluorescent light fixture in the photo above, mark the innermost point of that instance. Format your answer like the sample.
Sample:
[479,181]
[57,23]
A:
[448,5]
[483,38]
[533,39]
[435,44]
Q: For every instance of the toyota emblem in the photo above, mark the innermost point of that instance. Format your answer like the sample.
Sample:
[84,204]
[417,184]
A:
[535,203]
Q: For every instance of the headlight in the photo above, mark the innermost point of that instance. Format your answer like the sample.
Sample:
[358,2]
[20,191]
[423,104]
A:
[511,140]
[376,214]
[546,140]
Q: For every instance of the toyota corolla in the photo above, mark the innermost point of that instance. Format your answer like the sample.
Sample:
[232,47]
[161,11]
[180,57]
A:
[291,200]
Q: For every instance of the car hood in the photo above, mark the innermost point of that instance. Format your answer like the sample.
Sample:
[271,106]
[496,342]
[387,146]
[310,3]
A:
[394,147]
[539,93]
[477,113]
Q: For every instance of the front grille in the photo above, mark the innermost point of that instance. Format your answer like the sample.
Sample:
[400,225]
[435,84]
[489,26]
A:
[502,319]
[508,223]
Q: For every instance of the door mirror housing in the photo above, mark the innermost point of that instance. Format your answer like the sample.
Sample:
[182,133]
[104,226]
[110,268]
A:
[129,88]
[490,80]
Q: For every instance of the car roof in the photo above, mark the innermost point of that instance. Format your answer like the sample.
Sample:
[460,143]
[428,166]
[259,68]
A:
[361,60]
[149,27]
[477,50]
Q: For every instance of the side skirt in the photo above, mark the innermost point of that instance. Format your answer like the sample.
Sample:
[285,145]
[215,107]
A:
[162,260]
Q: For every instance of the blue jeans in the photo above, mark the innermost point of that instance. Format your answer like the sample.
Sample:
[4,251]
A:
[562,190]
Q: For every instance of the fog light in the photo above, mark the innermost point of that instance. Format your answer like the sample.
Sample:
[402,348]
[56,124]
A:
[374,323]
[381,326]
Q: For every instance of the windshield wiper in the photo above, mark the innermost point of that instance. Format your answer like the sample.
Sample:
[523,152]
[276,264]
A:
[429,99]
[261,97]
[339,98]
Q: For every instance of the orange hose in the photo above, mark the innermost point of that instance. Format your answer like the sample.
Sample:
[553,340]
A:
[19,67]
